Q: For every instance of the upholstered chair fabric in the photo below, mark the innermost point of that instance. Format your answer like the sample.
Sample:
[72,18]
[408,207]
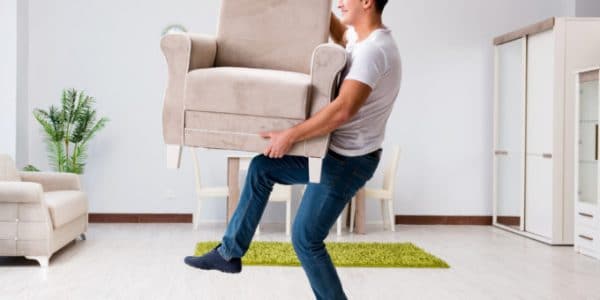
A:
[271,34]
[40,212]
[269,67]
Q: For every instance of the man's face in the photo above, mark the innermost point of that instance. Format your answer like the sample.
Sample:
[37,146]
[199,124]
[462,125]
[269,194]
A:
[351,10]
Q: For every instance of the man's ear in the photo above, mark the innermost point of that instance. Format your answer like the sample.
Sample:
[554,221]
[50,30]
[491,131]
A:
[367,4]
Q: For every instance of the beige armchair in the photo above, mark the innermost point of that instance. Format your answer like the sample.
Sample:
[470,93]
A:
[39,212]
[268,68]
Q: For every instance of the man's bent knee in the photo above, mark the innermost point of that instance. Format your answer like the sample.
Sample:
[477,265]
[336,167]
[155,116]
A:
[302,241]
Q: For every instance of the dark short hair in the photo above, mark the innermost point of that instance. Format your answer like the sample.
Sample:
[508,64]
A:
[380,4]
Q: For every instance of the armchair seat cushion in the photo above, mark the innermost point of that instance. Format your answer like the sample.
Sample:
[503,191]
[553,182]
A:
[65,206]
[247,91]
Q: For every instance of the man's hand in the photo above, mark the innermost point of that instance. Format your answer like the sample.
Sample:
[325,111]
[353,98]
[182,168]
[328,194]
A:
[353,95]
[280,144]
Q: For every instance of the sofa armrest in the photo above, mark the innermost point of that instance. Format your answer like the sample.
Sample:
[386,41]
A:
[20,192]
[51,181]
[183,52]
[328,61]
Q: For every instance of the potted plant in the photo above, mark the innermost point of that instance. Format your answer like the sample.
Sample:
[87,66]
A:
[68,130]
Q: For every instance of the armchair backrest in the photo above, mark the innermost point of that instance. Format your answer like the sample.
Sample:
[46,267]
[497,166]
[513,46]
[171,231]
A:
[8,171]
[271,34]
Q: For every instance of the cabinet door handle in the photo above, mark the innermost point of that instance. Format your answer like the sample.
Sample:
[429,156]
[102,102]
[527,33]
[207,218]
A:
[501,152]
[586,215]
[596,143]
[547,155]
[586,237]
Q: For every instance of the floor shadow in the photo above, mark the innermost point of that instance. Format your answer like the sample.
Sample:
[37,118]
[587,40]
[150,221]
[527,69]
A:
[21,261]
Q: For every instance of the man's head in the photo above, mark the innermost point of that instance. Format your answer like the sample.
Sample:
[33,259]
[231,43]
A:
[354,10]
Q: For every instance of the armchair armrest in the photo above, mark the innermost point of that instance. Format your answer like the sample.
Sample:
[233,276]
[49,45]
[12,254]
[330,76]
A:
[53,181]
[204,51]
[20,192]
[327,62]
[183,52]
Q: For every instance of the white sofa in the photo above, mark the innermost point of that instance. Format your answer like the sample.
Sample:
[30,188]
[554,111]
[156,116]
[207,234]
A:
[39,212]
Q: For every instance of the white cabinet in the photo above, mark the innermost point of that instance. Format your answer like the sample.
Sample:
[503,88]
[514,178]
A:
[534,125]
[587,233]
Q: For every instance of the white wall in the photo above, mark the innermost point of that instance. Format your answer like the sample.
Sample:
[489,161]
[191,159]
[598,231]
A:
[111,50]
[587,8]
[442,119]
[8,77]
[22,126]
[444,115]
[570,7]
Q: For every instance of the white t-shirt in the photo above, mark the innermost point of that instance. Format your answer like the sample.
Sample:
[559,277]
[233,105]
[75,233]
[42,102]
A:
[374,61]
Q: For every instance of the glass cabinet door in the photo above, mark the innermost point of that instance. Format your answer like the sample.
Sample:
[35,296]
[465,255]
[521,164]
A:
[587,189]
[509,143]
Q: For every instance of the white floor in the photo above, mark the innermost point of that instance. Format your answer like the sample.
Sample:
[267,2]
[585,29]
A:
[145,261]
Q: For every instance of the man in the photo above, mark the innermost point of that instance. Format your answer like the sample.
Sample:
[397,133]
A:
[356,119]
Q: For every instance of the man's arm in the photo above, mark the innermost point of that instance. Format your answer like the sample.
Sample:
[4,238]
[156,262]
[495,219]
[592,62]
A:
[353,95]
[338,31]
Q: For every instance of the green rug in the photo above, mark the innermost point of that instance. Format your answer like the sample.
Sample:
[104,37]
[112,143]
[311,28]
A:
[380,255]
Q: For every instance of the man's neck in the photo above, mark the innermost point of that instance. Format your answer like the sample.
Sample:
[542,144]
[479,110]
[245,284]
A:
[367,25]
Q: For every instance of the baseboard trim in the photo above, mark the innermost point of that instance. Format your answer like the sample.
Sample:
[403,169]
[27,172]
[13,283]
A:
[509,220]
[139,218]
[187,218]
[443,220]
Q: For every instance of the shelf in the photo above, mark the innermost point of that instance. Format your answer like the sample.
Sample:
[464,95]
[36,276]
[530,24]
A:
[588,202]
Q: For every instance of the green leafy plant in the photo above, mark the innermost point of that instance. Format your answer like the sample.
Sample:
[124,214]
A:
[31,168]
[68,129]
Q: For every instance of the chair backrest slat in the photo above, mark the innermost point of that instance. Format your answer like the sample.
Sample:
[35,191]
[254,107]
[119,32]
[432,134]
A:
[389,176]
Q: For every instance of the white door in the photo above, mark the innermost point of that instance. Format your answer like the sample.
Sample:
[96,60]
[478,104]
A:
[538,196]
[540,130]
[588,112]
[540,92]
[509,142]
[587,185]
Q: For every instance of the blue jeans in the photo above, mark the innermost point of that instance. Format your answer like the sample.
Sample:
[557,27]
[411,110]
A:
[322,203]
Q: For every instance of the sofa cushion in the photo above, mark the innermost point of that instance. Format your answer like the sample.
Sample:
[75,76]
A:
[8,171]
[65,206]
[256,92]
